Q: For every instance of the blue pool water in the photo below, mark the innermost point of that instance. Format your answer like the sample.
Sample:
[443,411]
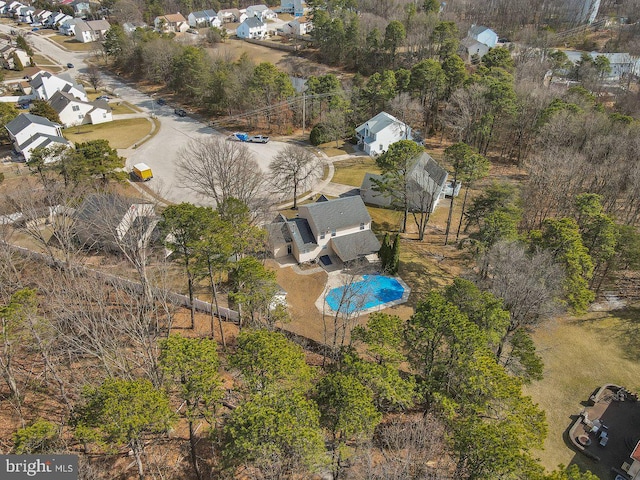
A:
[373,291]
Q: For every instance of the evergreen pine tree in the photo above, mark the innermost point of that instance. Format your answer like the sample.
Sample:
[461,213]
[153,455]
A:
[394,260]
[384,252]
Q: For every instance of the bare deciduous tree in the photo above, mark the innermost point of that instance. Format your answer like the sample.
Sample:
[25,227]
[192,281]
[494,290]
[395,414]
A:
[293,170]
[220,169]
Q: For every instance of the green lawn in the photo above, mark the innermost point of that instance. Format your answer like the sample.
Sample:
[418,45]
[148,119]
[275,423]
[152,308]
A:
[581,354]
[351,172]
[120,133]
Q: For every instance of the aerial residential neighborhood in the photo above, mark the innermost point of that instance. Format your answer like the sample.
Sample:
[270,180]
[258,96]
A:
[324,240]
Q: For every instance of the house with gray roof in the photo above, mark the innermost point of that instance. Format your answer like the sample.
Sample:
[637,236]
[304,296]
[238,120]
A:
[28,132]
[73,111]
[427,183]
[376,134]
[91,31]
[204,18]
[339,227]
[44,84]
[106,221]
[263,12]
[484,35]
[621,63]
[252,27]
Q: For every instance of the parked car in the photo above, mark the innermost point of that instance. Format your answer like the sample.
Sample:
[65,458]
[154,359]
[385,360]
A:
[258,139]
[103,97]
[69,65]
[180,112]
[193,30]
[161,101]
[23,106]
[35,29]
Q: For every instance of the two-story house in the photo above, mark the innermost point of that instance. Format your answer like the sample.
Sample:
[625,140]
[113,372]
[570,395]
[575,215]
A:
[252,27]
[204,18]
[68,27]
[28,132]
[231,15]
[44,84]
[263,12]
[340,227]
[174,22]
[483,35]
[298,26]
[376,134]
[294,7]
[76,112]
[91,31]
[426,185]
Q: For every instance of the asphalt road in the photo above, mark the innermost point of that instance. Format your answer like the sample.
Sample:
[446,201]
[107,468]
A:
[162,150]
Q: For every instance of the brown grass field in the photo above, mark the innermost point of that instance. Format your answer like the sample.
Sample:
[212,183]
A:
[120,133]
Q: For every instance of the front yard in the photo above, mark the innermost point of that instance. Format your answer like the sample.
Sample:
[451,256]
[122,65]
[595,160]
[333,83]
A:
[70,43]
[119,133]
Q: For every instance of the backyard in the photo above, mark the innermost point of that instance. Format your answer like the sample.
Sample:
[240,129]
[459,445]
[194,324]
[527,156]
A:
[581,354]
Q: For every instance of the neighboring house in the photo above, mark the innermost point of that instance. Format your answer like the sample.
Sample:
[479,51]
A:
[40,17]
[340,227]
[294,7]
[298,26]
[106,221]
[91,31]
[45,84]
[80,7]
[426,182]
[130,27]
[204,18]
[8,56]
[76,112]
[483,35]
[471,49]
[174,22]
[56,19]
[28,132]
[252,27]
[13,8]
[25,14]
[231,15]
[621,63]
[68,26]
[376,134]
[263,12]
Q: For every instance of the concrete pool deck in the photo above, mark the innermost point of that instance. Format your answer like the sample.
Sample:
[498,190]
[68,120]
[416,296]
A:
[340,279]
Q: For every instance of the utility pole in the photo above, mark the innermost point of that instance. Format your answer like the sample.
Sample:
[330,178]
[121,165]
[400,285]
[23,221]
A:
[304,110]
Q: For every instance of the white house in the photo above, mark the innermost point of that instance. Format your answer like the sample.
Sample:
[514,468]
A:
[621,63]
[298,26]
[91,31]
[45,84]
[204,18]
[483,35]
[174,22]
[80,7]
[68,26]
[340,227]
[263,12]
[12,8]
[294,7]
[76,112]
[376,134]
[252,27]
[130,27]
[231,15]
[40,17]
[471,49]
[28,132]
[427,182]
[9,54]
[25,14]
[56,19]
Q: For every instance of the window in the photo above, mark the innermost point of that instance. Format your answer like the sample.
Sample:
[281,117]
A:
[362,226]
[80,117]
[75,108]
[333,233]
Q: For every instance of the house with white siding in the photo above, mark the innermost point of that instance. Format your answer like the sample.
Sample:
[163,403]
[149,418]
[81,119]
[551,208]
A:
[174,22]
[263,12]
[294,7]
[28,132]
[44,84]
[76,112]
[376,134]
[91,31]
[252,27]
[204,18]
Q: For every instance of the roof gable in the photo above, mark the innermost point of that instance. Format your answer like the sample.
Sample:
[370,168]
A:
[23,120]
[380,122]
[253,22]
